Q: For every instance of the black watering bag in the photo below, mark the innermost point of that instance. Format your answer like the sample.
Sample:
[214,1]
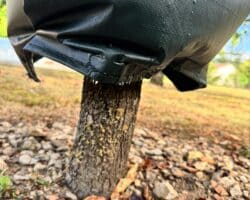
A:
[121,41]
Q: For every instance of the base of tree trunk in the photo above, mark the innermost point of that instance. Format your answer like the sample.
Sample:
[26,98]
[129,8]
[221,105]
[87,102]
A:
[100,153]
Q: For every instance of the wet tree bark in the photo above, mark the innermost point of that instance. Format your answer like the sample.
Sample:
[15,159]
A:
[100,153]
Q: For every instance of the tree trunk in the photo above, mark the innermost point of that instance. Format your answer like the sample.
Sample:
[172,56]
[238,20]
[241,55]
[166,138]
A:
[100,153]
[157,79]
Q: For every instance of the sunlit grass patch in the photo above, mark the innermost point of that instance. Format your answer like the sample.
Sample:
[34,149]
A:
[56,88]
[212,112]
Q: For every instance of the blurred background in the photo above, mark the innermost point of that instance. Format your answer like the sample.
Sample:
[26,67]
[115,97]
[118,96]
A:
[212,125]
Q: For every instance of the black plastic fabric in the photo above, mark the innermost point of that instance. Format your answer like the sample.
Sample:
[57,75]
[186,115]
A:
[121,41]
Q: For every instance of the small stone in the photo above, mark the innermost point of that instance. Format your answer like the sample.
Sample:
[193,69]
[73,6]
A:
[177,172]
[5,124]
[243,179]
[54,157]
[163,190]
[56,176]
[38,194]
[213,183]
[138,183]
[218,175]
[19,177]
[52,197]
[158,158]
[200,166]
[137,142]
[8,151]
[154,152]
[218,197]
[33,161]
[227,182]
[151,175]
[59,140]
[62,149]
[58,125]
[235,191]
[21,129]
[93,197]
[201,176]
[25,160]
[220,190]
[228,163]
[245,161]
[37,132]
[30,144]
[5,158]
[3,165]
[14,141]
[42,157]
[246,194]
[137,193]
[188,168]
[55,161]
[41,151]
[194,155]
[27,152]
[2,135]
[166,173]
[47,146]
[208,159]
[33,194]
[39,167]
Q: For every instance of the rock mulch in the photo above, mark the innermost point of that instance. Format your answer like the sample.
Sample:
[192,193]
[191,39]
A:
[168,167]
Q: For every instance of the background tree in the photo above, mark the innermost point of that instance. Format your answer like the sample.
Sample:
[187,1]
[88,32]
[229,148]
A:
[158,79]
[2,3]
[241,77]
[3,20]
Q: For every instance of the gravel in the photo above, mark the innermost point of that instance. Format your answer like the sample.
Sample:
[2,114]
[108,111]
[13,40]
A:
[170,167]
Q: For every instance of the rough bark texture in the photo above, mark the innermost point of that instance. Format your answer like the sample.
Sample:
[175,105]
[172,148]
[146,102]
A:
[157,79]
[106,126]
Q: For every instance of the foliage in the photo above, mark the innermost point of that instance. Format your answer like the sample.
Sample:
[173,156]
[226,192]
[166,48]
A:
[242,75]
[2,2]
[240,33]
[238,79]
[5,184]
[212,77]
[3,21]
[241,78]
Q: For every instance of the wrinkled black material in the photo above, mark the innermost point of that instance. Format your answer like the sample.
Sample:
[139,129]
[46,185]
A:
[120,41]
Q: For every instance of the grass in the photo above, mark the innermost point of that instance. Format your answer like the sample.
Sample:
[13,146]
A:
[216,112]
[5,184]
